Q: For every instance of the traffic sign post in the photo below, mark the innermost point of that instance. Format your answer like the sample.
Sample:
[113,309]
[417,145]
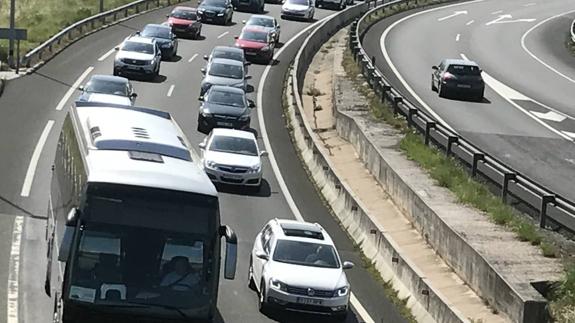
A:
[14,34]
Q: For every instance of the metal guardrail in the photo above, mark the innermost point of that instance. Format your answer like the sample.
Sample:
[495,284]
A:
[510,183]
[88,25]
[573,31]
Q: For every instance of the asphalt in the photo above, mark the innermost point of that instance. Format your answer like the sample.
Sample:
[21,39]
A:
[29,102]
[513,125]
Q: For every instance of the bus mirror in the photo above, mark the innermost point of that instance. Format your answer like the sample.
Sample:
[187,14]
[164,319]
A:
[231,251]
[72,217]
[66,243]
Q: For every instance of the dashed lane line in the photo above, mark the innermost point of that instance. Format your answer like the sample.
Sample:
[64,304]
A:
[192,58]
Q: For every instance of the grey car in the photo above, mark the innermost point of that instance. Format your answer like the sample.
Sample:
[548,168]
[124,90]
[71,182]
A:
[224,107]
[108,89]
[164,37]
[234,53]
[222,71]
[458,76]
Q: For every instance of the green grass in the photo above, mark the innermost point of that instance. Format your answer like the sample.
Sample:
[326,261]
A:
[563,296]
[44,18]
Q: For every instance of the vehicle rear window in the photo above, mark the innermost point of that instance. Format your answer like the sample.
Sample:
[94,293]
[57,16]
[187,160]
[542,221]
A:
[184,14]
[463,70]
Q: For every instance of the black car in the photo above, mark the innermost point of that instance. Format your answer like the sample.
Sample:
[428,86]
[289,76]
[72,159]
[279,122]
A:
[216,11]
[252,5]
[164,37]
[457,76]
[224,107]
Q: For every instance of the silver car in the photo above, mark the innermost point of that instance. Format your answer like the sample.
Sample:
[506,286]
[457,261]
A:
[138,56]
[228,52]
[223,71]
[301,9]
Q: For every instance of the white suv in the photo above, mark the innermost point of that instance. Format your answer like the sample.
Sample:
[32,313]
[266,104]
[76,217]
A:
[138,55]
[295,266]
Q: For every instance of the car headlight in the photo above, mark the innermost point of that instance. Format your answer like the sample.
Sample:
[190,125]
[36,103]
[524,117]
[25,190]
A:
[341,291]
[255,169]
[276,284]
[210,164]
[220,14]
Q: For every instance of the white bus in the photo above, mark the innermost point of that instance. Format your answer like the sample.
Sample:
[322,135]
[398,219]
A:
[133,224]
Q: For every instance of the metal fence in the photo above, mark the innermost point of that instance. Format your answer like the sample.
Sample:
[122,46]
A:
[553,211]
[573,31]
[86,26]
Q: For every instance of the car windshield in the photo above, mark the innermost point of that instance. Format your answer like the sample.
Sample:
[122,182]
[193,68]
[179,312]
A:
[107,87]
[255,36]
[305,254]
[227,98]
[132,46]
[228,54]
[464,70]
[227,70]
[257,21]
[156,31]
[184,14]
[234,145]
[214,3]
[300,2]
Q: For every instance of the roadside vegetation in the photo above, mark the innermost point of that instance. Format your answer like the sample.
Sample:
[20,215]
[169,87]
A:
[449,173]
[44,18]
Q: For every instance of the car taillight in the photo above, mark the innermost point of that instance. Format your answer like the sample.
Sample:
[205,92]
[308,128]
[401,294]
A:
[448,76]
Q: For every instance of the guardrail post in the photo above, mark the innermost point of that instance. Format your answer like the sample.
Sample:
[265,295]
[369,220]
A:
[450,141]
[396,101]
[428,126]
[545,200]
[476,158]
[506,178]
[384,90]
[410,113]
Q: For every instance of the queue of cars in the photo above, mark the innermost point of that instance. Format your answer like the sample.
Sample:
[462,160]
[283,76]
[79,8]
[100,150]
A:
[284,249]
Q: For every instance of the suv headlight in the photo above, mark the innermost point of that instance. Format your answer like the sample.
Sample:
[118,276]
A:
[255,169]
[278,285]
[210,164]
[341,291]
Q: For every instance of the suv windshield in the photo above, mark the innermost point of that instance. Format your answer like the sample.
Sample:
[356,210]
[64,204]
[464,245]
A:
[107,87]
[234,145]
[255,36]
[155,31]
[227,98]
[463,70]
[227,70]
[214,3]
[184,14]
[132,46]
[266,22]
[305,254]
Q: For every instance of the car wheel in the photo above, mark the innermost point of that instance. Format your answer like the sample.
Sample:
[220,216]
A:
[479,96]
[251,283]
[262,299]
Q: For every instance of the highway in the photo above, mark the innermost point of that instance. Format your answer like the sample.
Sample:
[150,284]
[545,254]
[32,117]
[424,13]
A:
[33,108]
[527,119]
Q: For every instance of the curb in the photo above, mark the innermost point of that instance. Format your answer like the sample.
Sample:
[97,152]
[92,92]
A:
[3,82]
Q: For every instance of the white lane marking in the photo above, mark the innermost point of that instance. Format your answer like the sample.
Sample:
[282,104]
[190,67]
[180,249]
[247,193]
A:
[455,14]
[192,58]
[501,20]
[457,37]
[285,191]
[223,34]
[570,134]
[470,22]
[504,91]
[103,57]
[550,115]
[14,271]
[529,4]
[73,88]
[496,12]
[537,58]
[35,158]
[171,89]
[396,71]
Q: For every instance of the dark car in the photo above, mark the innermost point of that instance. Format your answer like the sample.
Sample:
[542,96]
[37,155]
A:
[336,4]
[224,107]
[252,5]
[164,37]
[457,76]
[258,43]
[216,11]
[108,89]
[184,22]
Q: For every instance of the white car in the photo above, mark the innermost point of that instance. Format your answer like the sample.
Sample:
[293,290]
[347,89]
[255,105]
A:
[138,55]
[232,157]
[295,266]
[303,9]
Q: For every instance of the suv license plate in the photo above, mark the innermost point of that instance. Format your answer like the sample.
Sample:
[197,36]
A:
[309,301]
[464,86]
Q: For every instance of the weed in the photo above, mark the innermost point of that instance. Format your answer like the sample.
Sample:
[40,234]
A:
[313,91]
[548,250]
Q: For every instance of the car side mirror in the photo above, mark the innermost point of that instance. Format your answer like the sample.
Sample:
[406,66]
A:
[81,88]
[262,255]
[137,32]
[236,37]
[480,71]
[117,48]
[243,22]
[201,98]
[134,95]
[263,153]
[203,70]
[251,104]
[347,265]
[231,251]
[72,217]
[167,16]
[202,145]
[248,77]
[206,57]
[434,68]
[246,63]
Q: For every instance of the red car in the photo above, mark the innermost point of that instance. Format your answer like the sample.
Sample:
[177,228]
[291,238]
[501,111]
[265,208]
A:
[258,43]
[184,21]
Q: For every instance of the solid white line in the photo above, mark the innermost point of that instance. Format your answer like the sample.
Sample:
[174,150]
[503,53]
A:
[496,12]
[223,34]
[103,57]
[35,158]
[285,191]
[192,58]
[470,22]
[73,88]
[171,89]
[457,37]
[537,58]
[529,4]
[14,271]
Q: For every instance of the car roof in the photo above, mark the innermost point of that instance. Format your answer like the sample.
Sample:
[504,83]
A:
[233,133]
[457,61]
[108,78]
[141,39]
[225,88]
[158,26]
[227,61]
[227,49]
[262,16]
[184,8]
[281,226]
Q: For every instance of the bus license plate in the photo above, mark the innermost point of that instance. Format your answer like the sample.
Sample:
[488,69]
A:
[309,301]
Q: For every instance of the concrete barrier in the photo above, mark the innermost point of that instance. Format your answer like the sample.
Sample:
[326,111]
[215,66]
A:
[2,85]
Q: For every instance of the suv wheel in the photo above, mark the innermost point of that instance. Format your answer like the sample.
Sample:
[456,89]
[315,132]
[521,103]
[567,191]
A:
[251,283]
[262,302]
